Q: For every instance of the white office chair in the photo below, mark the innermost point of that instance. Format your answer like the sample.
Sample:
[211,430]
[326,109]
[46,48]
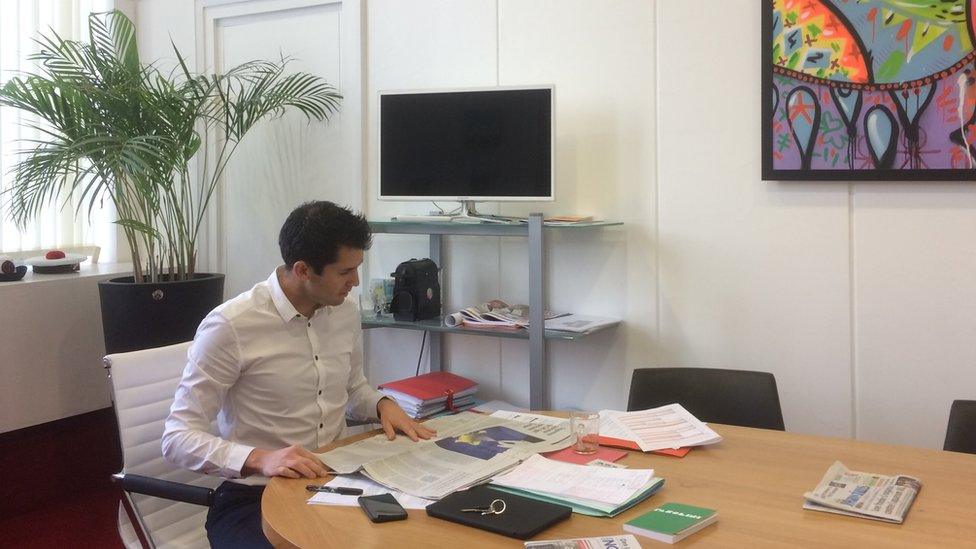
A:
[144,383]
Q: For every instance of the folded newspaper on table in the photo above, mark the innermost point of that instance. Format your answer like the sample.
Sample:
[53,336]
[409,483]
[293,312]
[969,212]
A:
[865,495]
[658,428]
[470,449]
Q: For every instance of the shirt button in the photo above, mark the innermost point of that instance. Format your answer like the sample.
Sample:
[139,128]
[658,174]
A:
[309,324]
[320,391]
[321,425]
[316,357]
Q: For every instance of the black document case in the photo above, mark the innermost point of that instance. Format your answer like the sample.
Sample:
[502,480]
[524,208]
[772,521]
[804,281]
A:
[522,519]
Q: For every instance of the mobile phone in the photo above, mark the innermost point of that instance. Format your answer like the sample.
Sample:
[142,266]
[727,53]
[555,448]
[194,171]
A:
[382,508]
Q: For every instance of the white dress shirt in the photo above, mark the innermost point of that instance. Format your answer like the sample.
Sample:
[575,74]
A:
[271,377]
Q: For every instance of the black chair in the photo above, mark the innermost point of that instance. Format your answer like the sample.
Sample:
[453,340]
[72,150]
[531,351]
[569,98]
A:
[733,397]
[961,431]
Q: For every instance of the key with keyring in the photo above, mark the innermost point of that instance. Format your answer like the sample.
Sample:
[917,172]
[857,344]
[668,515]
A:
[496,507]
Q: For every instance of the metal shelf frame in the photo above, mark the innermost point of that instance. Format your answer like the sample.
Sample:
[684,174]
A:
[534,230]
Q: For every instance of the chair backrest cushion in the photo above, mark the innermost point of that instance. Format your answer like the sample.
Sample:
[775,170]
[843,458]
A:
[961,429]
[733,397]
[144,383]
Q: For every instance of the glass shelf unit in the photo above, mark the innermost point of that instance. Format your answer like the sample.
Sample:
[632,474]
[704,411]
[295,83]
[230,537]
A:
[437,325]
[534,230]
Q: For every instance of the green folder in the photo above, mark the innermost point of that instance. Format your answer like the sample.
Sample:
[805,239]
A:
[589,507]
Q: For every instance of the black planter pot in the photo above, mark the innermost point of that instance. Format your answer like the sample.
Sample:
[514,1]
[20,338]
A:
[154,314]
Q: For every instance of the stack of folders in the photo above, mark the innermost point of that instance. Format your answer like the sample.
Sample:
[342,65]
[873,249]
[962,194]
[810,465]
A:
[589,490]
[430,394]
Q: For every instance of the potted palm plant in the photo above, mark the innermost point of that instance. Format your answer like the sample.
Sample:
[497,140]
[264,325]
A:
[114,129]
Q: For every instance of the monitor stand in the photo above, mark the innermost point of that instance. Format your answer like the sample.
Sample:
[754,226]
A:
[466,214]
[469,214]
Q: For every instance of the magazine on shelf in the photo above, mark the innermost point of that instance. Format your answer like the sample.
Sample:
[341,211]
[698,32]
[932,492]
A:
[469,449]
[494,314]
[864,495]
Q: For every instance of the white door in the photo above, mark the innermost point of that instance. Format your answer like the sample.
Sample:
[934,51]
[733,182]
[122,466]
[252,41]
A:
[287,161]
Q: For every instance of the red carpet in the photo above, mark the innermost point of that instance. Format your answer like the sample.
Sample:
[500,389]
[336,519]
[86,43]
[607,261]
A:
[55,490]
[84,520]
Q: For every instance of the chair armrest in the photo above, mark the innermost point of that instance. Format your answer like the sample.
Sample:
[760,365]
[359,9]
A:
[197,495]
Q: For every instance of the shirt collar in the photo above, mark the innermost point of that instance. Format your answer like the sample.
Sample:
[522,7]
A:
[286,310]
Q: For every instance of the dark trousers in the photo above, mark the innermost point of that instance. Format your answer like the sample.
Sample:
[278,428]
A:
[234,519]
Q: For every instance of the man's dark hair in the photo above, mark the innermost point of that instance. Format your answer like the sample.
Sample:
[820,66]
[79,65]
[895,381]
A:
[315,230]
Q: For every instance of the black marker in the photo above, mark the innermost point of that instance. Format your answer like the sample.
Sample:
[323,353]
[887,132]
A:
[341,490]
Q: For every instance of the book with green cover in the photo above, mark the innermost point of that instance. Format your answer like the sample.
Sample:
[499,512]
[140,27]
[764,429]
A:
[671,522]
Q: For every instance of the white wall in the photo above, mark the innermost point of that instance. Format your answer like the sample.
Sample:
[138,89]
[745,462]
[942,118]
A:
[51,347]
[857,296]
[605,145]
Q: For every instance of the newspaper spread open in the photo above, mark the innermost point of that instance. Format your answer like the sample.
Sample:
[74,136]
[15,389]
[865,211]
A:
[470,448]
[866,495]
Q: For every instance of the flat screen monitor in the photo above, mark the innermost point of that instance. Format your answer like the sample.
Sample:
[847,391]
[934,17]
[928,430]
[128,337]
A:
[485,144]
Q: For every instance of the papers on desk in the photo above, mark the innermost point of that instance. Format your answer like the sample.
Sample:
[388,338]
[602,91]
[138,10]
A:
[864,495]
[369,488]
[664,428]
[668,426]
[597,491]
[470,449]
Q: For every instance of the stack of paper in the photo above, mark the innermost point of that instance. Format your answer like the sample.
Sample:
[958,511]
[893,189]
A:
[596,491]
[429,394]
[665,427]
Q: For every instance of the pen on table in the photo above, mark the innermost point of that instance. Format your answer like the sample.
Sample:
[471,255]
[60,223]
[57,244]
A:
[341,490]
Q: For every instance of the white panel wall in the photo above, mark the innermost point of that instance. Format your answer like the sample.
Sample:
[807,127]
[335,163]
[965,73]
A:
[753,275]
[592,52]
[51,349]
[915,307]
[424,44]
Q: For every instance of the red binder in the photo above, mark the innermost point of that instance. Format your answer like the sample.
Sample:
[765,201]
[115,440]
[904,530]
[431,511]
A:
[433,387]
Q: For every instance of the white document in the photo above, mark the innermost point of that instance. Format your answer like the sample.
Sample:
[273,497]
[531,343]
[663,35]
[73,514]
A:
[668,426]
[369,488]
[600,484]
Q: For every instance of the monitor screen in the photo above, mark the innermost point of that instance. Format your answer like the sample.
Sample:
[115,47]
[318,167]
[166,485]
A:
[486,144]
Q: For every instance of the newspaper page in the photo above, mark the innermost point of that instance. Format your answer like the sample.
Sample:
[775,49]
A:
[606,542]
[470,448]
[866,495]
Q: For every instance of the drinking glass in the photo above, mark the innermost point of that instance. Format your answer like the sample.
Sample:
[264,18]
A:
[585,427]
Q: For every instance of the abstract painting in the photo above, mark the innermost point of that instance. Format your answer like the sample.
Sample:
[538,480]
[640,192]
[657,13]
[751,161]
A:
[869,89]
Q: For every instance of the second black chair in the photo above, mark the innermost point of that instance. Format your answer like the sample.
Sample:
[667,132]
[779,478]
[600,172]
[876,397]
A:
[961,431]
[733,397]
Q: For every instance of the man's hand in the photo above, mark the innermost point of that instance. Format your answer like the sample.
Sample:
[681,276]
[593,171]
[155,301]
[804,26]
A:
[393,419]
[292,462]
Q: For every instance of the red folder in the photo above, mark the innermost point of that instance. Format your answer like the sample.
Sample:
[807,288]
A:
[431,387]
[631,445]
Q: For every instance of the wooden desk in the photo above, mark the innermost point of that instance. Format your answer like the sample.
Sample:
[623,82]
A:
[755,479]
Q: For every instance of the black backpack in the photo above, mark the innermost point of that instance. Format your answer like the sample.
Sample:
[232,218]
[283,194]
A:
[416,291]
